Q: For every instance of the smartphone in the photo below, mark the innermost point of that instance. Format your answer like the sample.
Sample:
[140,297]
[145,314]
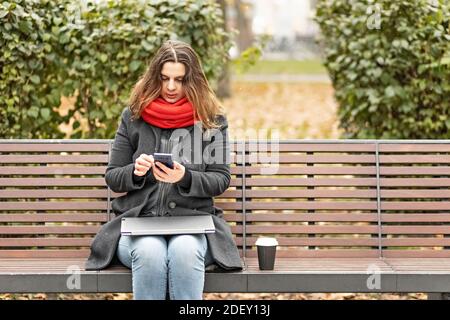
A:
[165,158]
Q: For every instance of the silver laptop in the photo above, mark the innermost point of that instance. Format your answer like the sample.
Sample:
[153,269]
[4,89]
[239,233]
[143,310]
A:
[138,226]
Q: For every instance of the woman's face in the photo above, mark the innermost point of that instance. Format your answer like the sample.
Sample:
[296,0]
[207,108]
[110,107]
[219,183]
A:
[172,74]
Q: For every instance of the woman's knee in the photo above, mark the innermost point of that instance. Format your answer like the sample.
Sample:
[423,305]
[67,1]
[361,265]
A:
[148,249]
[187,248]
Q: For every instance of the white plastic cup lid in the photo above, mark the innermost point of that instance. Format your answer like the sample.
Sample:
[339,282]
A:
[266,241]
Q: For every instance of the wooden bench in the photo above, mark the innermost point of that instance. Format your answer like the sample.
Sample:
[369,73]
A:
[350,216]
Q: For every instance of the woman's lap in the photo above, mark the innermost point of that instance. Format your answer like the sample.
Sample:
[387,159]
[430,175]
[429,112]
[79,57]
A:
[176,245]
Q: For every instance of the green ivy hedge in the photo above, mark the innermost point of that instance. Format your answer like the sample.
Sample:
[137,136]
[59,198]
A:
[55,48]
[389,62]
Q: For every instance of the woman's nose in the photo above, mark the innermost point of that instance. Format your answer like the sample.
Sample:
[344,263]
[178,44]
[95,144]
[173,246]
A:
[171,85]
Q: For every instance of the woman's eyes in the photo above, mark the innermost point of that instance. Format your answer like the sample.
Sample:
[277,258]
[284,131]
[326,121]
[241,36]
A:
[177,80]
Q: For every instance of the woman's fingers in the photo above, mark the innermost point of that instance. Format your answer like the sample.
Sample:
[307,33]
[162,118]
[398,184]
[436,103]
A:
[142,162]
[159,172]
[148,158]
[141,168]
[162,167]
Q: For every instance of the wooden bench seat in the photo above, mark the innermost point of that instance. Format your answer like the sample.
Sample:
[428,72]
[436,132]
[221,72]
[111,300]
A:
[342,210]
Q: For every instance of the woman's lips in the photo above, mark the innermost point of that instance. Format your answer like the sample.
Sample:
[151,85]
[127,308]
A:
[170,96]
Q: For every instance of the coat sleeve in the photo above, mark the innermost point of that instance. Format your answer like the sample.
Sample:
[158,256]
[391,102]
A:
[216,177]
[119,173]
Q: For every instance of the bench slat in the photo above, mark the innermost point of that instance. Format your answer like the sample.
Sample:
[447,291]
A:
[304,229]
[370,182]
[332,253]
[415,193]
[414,264]
[312,205]
[312,217]
[415,217]
[309,147]
[50,170]
[306,182]
[414,229]
[414,182]
[282,158]
[54,147]
[324,264]
[349,193]
[417,147]
[415,159]
[415,205]
[56,217]
[415,242]
[416,254]
[80,229]
[72,158]
[52,193]
[346,217]
[290,170]
[303,193]
[62,205]
[42,253]
[345,159]
[39,182]
[281,169]
[45,242]
[414,170]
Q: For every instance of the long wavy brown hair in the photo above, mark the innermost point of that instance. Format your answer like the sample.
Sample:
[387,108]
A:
[196,87]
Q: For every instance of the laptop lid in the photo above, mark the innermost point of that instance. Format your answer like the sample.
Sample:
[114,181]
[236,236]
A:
[167,225]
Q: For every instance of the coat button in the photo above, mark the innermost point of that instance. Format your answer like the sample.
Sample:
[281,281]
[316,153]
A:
[172,205]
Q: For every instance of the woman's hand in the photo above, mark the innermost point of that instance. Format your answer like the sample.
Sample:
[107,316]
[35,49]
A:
[143,164]
[165,174]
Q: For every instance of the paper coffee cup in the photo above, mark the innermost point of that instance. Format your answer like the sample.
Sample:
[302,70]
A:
[267,248]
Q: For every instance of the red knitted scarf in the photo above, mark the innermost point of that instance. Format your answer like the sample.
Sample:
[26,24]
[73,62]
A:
[164,114]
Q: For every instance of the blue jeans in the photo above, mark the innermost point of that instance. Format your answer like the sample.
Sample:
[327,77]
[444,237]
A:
[156,262]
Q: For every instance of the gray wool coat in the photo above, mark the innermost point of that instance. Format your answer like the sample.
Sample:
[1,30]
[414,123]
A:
[210,177]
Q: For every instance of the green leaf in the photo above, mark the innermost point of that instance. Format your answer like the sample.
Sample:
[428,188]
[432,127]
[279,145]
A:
[46,37]
[134,65]
[33,112]
[57,20]
[45,113]
[65,38]
[103,57]
[390,92]
[184,17]
[35,79]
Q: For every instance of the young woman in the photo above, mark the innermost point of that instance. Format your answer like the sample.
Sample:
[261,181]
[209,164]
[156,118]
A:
[172,109]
